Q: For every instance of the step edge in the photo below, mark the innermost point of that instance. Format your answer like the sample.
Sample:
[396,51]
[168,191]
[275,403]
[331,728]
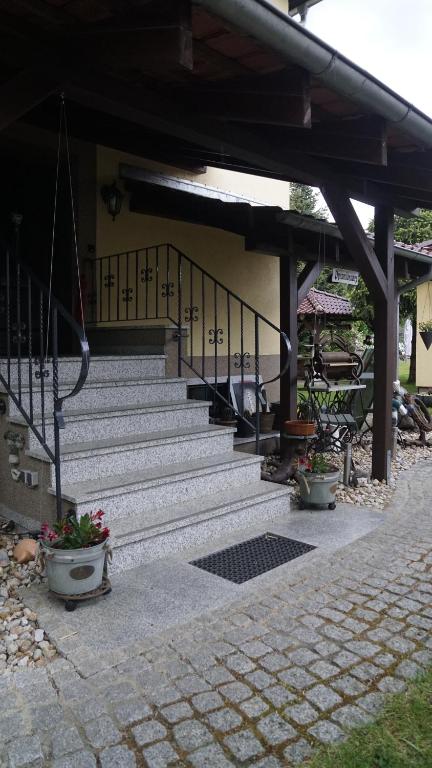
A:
[212,512]
[124,410]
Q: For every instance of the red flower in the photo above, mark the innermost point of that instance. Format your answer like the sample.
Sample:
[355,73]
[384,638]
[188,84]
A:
[98,525]
[105,532]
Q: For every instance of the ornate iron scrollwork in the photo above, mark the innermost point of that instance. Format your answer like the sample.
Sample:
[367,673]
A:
[44,372]
[215,336]
[109,280]
[242,360]
[146,275]
[191,314]
[167,289]
[127,295]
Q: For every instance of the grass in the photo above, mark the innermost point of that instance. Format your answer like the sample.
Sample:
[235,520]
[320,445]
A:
[403,376]
[401,737]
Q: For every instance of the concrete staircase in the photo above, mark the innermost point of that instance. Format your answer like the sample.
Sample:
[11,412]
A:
[135,446]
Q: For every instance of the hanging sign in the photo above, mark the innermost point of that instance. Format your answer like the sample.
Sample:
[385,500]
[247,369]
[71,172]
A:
[348,276]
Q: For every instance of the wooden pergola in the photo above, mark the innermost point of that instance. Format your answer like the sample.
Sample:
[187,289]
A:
[241,86]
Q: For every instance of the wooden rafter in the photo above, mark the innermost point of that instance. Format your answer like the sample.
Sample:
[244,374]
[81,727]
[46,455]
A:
[27,89]
[306,279]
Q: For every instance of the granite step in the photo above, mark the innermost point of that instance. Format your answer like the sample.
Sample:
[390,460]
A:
[143,536]
[148,490]
[97,423]
[114,455]
[102,367]
[105,394]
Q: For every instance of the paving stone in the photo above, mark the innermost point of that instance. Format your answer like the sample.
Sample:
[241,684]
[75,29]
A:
[66,739]
[255,649]
[366,614]
[119,691]
[244,745]
[326,648]
[254,707]
[268,762]
[25,752]
[77,760]
[163,695]
[372,702]
[218,676]
[424,658]
[12,726]
[191,734]
[278,695]
[326,732]
[160,755]
[312,621]
[391,685]
[205,702]
[332,615]
[224,720]
[400,644]
[335,632]
[192,684]
[259,679]
[302,657]
[297,678]
[274,662]
[117,757]
[302,714]
[296,753]
[362,648]
[348,685]
[278,642]
[306,635]
[384,660]
[324,670]
[221,649]
[239,663]
[366,671]
[102,732]
[43,718]
[235,692]
[176,712]
[408,670]
[275,729]
[89,709]
[148,732]
[211,756]
[351,716]
[324,698]
[354,625]
[132,711]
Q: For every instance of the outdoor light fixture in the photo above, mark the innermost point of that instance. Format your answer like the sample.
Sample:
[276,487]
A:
[113,198]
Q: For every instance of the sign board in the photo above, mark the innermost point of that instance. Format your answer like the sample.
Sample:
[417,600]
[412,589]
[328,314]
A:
[348,276]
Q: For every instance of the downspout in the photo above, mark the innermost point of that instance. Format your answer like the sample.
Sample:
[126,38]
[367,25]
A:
[281,34]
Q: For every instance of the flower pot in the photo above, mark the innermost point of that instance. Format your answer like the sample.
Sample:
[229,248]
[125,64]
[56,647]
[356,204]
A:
[318,488]
[299,427]
[244,429]
[74,571]
[426,337]
[266,422]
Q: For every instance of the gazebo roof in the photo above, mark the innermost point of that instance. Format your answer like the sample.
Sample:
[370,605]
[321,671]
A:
[324,303]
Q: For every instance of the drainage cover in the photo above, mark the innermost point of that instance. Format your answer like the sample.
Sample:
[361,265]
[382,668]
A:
[251,558]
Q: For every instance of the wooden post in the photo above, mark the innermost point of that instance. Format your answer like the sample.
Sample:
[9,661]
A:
[384,340]
[288,323]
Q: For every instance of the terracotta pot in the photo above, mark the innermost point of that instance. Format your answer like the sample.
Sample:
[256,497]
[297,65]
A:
[299,427]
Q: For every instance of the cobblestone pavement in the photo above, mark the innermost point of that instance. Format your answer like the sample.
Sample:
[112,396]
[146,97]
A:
[262,682]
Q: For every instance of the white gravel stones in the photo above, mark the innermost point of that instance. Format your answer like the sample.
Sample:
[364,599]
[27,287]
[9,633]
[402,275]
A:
[22,642]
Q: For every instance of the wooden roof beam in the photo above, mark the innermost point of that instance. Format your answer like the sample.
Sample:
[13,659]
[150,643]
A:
[307,277]
[26,90]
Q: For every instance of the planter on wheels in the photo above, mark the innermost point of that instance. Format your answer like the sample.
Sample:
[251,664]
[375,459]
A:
[75,571]
[318,489]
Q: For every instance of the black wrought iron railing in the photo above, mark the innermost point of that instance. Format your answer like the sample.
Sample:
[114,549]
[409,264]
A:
[33,322]
[220,336]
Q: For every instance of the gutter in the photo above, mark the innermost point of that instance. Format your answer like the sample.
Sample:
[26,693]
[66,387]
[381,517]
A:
[281,34]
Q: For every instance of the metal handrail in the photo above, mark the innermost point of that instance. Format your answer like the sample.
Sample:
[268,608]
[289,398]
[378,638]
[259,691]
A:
[162,282]
[26,295]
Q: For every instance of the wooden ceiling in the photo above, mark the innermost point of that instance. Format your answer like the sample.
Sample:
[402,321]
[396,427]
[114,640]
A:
[169,79]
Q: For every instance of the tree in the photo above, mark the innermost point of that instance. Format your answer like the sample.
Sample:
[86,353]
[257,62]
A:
[305,200]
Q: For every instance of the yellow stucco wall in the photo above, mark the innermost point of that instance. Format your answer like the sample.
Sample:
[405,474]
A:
[253,276]
[424,356]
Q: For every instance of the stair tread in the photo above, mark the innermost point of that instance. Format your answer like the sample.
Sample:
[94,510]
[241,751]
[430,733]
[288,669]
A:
[100,383]
[124,441]
[118,410]
[130,528]
[87,489]
[93,356]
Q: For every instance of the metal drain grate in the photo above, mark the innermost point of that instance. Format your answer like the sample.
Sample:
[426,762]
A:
[251,558]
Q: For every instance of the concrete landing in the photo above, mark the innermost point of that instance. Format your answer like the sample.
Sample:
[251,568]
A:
[163,594]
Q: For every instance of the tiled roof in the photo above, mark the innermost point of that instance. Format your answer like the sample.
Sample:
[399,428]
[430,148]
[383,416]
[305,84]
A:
[323,303]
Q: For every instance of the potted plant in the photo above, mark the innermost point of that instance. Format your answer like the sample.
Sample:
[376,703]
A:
[425,330]
[74,550]
[318,481]
[227,417]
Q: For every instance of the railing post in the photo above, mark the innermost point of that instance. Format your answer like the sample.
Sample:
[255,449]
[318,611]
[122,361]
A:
[179,313]
[257,397]
[58,416]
